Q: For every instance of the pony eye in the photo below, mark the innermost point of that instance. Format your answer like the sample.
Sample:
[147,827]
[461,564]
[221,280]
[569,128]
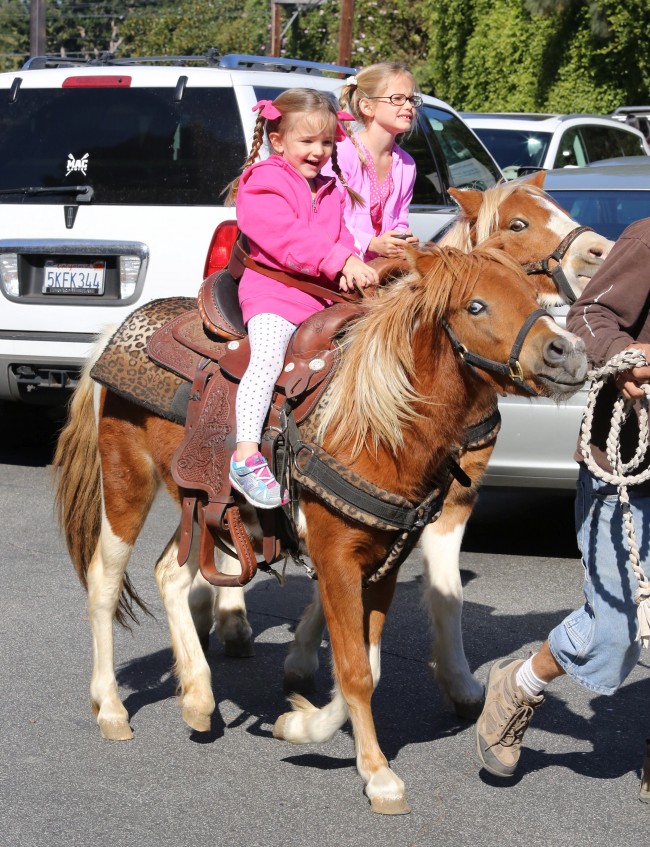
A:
[517,225]
[475,307]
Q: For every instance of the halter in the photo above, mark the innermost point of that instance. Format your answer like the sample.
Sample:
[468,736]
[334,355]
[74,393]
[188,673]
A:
[557,273]
[512,370]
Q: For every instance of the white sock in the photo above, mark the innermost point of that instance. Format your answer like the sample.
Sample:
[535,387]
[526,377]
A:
[528,680]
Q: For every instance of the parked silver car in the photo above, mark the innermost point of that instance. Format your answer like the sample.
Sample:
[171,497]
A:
[523,142]
[537,441]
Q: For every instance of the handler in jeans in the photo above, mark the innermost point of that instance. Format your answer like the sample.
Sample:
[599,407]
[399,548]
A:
[597,644]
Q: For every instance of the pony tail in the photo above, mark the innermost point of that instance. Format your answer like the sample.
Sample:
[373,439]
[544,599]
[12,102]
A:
[357,199]
[258,140]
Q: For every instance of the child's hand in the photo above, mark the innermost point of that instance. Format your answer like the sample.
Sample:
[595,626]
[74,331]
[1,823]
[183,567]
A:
[391,244]
[356,273]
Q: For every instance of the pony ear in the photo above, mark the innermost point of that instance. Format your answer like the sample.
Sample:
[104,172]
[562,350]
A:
[537,179]
[422,260]
[468,200]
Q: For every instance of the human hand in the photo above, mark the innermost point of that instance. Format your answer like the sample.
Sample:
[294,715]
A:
[391,244]
[356,273]
[629,382]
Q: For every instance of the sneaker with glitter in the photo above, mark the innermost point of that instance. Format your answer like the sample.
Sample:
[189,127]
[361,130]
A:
[253,479]
[505,718]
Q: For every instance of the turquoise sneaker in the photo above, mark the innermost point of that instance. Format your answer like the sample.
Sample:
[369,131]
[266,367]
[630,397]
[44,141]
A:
[253,479]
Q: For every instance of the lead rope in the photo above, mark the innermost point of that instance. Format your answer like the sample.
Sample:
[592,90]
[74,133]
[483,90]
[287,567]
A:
[622,475]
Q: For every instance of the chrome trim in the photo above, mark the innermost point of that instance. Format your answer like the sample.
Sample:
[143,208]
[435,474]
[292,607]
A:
[69,246]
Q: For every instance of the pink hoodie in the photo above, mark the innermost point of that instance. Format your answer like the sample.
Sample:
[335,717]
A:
[288,230]
[396,210]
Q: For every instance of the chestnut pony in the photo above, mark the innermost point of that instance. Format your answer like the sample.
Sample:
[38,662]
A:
[531,226]
[394,410]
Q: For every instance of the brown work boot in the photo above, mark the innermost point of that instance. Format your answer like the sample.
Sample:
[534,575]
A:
[644,791]
[505,717]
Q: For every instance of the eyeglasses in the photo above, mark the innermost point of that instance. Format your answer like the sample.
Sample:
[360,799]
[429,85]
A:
[400,99]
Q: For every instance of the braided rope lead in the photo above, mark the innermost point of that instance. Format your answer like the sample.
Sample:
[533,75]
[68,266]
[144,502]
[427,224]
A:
[623,472]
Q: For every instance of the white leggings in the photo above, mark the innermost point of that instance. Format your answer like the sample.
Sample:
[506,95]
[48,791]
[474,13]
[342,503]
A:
[269,338]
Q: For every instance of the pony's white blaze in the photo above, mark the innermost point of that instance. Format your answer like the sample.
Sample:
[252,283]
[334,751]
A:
[559,330]
[584,256]
[559,221]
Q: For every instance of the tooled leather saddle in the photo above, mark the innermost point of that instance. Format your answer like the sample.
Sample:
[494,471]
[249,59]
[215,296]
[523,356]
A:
[209,348]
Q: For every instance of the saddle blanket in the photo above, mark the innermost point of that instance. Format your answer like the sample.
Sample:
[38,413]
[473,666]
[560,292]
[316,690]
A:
[125,367]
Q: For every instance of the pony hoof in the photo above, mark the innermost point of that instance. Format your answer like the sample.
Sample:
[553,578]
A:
[198,721]
[115,730]
[296,684]
[469,710]
[278,726]
[240,648]
[390,806]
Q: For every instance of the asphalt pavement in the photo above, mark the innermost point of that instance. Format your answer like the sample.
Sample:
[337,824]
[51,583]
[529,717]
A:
[62,785]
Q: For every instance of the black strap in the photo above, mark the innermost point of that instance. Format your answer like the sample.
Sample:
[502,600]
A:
[394,511]
[512,370]
[557,273]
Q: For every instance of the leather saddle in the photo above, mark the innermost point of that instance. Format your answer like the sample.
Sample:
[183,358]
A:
[209,348]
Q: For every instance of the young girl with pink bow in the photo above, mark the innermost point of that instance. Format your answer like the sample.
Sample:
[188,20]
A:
[292,216]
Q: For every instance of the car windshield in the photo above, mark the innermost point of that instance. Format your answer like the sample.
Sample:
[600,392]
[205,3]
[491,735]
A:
[130,145]
[515,147]
[467,162]
[607,212]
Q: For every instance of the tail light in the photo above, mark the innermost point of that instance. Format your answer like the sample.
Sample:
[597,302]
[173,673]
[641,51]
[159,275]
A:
[221,246]
[97,82]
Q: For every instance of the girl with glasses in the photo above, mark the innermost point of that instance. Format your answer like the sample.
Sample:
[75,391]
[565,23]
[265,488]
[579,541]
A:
[382,100]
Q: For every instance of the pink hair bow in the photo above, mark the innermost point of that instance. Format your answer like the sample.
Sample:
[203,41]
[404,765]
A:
[267,110]
[340,132]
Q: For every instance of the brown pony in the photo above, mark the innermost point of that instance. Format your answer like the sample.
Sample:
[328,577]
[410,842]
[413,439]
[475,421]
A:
[393,412]
[531,226]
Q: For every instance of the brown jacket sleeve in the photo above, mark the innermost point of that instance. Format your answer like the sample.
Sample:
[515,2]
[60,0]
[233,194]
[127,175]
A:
[612,312]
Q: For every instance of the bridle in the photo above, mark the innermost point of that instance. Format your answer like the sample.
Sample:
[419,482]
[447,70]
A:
[557,273]
[512,368]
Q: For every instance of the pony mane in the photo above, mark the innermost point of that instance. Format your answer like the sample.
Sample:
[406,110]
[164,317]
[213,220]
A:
[487,222]
[372,397]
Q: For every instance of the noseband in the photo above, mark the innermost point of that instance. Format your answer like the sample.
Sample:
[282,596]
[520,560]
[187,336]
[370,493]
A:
[512,370]
[557,273]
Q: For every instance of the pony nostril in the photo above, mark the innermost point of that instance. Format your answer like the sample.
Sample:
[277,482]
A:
[557,350]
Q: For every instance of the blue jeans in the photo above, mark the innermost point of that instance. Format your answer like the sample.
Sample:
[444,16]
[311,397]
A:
[596,645]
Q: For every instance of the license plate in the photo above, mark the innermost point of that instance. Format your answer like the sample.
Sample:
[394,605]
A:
[69,278]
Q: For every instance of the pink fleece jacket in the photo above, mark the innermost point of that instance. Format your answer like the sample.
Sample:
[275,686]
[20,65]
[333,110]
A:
[397,206]
[289,230]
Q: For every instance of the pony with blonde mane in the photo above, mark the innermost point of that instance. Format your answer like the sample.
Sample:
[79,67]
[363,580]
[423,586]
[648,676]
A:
[530,226]
[108,476]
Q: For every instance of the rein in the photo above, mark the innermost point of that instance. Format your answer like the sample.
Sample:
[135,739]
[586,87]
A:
[622,475]
[557,273]
[512,369]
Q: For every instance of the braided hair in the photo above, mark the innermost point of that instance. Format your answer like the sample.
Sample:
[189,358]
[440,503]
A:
[293,104]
